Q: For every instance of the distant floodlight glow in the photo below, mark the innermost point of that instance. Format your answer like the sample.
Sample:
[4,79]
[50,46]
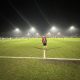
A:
[17,29]
[58,33]
[33,29]
[28,34]
[48,33]
[53,29]
[37,34]
[72,27]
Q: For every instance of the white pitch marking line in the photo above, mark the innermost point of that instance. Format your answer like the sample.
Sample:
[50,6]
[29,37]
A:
[44,54]
[21,57]
[66,59]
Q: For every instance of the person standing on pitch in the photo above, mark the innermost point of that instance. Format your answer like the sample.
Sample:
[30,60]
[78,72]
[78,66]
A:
[44,41]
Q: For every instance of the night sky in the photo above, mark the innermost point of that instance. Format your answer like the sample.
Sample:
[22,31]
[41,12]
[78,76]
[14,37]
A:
[39,13]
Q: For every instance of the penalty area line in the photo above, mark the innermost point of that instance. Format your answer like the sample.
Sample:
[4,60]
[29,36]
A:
[66,59]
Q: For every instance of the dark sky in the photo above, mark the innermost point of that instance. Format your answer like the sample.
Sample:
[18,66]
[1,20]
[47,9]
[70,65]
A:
[39,13]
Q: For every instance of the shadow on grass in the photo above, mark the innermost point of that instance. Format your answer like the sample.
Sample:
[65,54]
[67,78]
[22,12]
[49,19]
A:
[47,48]
[52,61]
[54,48]
[38,48]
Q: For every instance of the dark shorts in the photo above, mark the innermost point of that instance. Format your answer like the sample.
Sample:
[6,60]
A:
[44,44]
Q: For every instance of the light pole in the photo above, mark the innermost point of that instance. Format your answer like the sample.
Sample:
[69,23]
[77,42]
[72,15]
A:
[72,28]
[32,30]
[53,30]
[16,32]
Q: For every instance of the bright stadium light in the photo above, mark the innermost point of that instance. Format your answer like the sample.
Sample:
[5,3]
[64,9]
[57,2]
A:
[33,29]
[17,30]
[53,29]
[72,28]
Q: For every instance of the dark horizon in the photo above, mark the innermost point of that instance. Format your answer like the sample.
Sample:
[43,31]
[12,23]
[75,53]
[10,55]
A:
[39,13]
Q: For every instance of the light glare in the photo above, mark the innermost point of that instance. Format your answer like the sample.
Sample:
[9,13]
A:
[17,30]
[72,27]
[53,28]
[37,34]
[48,33]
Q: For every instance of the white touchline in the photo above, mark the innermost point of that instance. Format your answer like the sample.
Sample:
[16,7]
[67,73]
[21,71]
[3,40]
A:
[20,57]
[66,59]
[44,54]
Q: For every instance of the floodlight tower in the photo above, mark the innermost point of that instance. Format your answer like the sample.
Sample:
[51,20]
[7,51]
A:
[71,29]
[17,32]
[32,30]
[53,29]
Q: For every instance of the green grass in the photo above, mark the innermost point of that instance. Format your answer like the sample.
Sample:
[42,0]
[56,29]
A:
[64,48]
[17,47]
[29,69]
[57,47]
[32,69]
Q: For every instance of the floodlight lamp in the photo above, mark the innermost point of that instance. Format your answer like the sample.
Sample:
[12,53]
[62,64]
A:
[72,27]
[54,29]
[32,29]
[17,30]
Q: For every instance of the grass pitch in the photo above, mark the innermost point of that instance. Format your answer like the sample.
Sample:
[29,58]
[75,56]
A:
[33,69]
[57,47]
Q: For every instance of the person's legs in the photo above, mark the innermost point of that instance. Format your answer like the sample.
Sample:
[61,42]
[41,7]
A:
[44,45]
